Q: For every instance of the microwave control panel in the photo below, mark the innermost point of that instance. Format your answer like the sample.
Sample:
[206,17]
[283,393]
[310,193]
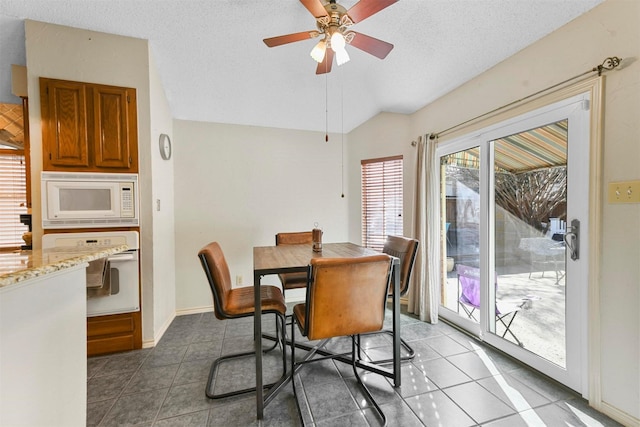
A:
[127,209]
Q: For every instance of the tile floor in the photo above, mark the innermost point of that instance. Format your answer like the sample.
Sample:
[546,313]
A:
[453,381]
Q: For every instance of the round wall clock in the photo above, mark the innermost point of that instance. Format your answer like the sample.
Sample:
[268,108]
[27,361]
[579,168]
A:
[165,146]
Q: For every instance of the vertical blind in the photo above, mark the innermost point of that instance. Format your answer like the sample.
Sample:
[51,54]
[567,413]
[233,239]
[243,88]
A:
[13,197]
[381,200]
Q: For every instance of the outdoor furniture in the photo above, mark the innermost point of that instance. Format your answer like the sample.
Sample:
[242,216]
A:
[469,299]
[544,254]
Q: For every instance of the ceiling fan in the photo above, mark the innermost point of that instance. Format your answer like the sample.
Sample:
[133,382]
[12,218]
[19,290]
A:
[334,26]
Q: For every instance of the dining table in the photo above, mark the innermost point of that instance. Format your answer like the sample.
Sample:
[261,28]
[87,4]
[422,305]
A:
[269,260]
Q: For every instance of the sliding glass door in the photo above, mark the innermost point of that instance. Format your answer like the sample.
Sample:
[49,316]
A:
[514,217]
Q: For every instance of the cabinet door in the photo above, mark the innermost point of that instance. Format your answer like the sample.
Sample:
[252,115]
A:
[64,122]
[111,127]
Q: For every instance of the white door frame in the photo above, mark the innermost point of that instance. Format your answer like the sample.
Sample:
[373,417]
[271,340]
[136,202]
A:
[586,379]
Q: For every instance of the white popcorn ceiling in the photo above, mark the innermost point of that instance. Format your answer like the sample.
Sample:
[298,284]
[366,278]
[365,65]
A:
[215,67]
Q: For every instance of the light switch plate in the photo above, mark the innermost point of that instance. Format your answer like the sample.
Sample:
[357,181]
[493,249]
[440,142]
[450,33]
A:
[624,192]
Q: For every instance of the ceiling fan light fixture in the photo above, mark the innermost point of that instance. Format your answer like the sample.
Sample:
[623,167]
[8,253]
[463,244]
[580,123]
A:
[342,56]
[317,53]
[337,41]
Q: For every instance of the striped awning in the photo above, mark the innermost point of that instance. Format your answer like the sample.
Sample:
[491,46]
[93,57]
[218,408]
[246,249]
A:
[538,148]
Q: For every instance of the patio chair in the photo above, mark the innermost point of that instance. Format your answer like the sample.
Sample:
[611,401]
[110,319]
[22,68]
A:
[469,299]
[544,253]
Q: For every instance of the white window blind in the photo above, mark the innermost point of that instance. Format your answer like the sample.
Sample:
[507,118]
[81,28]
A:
[381,200]
[13,198]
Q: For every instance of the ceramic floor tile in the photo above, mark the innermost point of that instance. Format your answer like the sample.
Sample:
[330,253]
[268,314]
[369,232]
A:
[436,409]
[328,399]
[195,419]
[514,393]
[184,399]
[97,410]
[151,378]
[446,345]
[476,365]
[135,409]
[414,381]
[477,402]
[106,387]
[442,373]
[164,386]
[237,413]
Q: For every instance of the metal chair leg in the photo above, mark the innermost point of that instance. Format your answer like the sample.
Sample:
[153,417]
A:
[209,389]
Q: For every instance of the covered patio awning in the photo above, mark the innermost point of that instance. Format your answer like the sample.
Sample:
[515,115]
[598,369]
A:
[538,148]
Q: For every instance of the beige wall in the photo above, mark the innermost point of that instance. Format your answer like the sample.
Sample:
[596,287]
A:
[74,54]
[611,29]
[240,185]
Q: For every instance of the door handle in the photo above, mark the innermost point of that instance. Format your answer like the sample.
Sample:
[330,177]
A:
[572,239]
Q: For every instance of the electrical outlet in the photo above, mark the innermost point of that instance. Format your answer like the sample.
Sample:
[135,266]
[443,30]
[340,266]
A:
[624,192]
[239,280]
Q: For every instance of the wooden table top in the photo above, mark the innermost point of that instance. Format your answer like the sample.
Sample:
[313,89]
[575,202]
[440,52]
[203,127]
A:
[289,258]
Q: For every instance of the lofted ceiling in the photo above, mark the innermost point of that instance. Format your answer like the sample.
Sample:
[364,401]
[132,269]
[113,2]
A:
[215,67]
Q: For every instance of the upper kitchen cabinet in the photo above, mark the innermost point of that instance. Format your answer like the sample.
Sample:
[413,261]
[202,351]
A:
[88,127]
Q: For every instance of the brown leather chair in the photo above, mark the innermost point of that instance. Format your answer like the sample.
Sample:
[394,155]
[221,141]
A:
[406,250]
[294,280]
[345,297]
[235,303]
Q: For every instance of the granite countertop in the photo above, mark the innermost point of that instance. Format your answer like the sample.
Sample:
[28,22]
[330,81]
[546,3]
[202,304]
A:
[19,266]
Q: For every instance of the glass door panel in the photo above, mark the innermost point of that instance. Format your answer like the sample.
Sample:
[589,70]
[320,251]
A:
[460,196]
[530,214]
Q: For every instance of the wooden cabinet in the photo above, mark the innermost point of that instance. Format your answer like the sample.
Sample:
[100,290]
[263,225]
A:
[88,127]
[113,333]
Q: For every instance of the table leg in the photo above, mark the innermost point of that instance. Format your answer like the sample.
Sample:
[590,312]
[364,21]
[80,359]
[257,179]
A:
[396,323]
[257,341]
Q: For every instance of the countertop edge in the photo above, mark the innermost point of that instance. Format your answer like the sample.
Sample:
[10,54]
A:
[13,278]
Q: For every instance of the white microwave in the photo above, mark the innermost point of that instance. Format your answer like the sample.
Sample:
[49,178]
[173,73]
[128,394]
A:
[87,199]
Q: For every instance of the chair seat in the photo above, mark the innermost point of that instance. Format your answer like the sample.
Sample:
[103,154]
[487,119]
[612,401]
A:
[239,301]
[293,280]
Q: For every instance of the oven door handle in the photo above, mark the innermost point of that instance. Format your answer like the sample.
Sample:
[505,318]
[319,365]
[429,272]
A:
[121,257]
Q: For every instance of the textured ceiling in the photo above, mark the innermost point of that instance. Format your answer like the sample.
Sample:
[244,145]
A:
[215,67]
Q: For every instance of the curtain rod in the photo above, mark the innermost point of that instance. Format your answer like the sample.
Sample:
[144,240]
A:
[608,64]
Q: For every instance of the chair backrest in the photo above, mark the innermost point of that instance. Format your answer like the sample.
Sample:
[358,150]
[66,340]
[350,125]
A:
[217,272]
[294,238]
[469,278]
[405,249]
[346,296]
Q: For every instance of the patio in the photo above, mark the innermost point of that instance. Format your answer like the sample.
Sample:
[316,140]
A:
[541,324]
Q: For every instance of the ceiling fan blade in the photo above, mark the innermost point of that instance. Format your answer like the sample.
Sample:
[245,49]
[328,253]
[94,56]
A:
[290,38]
[365,8]
[315,7]
[327,62]
[371,45]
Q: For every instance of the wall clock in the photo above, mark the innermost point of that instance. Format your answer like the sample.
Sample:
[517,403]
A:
[165,146]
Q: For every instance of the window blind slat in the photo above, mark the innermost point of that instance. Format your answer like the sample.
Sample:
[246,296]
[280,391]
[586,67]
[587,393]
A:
[381,200]
[13,198]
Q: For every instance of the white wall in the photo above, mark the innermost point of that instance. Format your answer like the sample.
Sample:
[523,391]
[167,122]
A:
[611,29]
[67,53]
[160,199]
[240,185]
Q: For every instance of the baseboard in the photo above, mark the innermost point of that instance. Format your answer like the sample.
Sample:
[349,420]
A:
[618,415]
[195,310]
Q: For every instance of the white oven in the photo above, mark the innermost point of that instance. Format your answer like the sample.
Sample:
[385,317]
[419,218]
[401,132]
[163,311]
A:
[119,293]
[88,199]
